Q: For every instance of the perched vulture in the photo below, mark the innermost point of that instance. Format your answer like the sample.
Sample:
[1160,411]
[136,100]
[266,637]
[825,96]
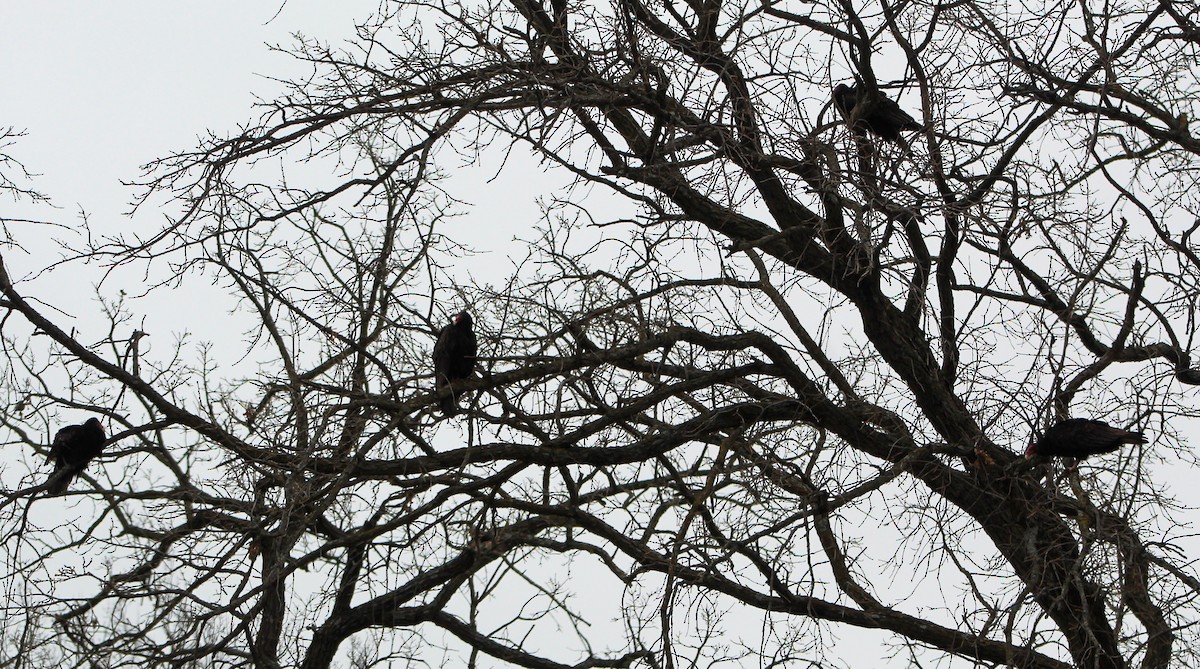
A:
[1082,437]
[454,359]
[74,446]
[881,115]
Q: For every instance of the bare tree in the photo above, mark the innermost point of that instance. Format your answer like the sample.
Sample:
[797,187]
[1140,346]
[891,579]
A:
[761,379]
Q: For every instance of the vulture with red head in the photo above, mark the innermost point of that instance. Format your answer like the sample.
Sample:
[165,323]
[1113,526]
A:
[454,359]
[877,113]
[1080,438]
[73,447]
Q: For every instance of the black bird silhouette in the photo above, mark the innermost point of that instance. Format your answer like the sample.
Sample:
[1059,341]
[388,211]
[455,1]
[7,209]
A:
[73,447]
[454,359]
[879,114]
[1082,437]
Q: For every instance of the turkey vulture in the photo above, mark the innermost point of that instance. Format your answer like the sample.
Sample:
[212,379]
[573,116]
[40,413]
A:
[453,359]
[74,446]
[1082,437]
[880,114]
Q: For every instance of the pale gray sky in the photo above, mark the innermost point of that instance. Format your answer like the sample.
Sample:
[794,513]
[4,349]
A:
[103,87]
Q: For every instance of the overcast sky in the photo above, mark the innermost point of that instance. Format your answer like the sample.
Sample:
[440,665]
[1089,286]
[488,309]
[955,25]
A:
[102,88]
